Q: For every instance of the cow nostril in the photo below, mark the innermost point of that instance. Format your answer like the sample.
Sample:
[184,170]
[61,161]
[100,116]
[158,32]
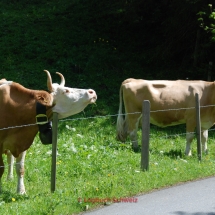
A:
[90,91]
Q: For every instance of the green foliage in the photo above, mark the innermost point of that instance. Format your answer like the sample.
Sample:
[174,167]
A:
[96,43]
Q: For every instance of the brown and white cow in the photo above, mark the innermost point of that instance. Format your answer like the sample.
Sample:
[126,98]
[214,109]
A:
[166,95]
[18,108]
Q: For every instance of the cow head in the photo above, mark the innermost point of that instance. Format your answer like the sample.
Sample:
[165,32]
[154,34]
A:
[69,101]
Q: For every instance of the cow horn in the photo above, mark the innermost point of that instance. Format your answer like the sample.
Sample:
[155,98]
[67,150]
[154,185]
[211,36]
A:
[62,83]
[49,80]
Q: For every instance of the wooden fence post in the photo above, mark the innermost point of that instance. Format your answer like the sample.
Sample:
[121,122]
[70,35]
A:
[198,127]
[54,151]
[145,135]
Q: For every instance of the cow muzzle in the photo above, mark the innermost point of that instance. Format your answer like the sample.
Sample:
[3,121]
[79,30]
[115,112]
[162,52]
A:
[92,95]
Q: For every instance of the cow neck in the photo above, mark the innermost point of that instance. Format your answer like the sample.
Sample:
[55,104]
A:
[44,110]
[49,113]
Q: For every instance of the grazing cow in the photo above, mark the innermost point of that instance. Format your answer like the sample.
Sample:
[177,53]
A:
[166,95]
[18,108]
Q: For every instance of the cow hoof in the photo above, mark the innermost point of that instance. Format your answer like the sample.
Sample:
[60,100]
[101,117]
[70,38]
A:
[22,192]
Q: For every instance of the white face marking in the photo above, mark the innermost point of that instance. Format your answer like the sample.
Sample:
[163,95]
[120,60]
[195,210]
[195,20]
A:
[70,101]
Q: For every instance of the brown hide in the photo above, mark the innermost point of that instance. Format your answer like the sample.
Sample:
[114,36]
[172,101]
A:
[165,95]
[17,108]
[172,103]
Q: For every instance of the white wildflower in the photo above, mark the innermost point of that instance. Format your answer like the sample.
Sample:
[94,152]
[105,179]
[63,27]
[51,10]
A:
[79,135]
[72,148]
[69,128]
[185,161]
[92,147]
[1,203]
[49,152]
[84,146]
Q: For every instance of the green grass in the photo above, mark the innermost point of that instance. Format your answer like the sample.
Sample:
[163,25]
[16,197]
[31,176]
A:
[92,164]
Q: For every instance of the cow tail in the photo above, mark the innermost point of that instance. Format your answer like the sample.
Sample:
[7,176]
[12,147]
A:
[120,124]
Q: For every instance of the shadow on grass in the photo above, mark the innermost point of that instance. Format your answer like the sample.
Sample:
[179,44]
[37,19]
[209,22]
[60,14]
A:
[174,153]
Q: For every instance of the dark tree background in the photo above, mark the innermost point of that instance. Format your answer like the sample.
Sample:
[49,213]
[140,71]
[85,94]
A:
[100,43]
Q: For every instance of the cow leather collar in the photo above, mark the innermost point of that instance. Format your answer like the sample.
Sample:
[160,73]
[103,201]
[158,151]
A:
[45,126]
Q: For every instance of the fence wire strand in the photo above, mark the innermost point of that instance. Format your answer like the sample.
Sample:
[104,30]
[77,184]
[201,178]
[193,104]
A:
[106,116]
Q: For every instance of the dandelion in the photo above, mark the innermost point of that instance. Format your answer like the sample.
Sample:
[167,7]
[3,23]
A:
[97,189]
[13,199]
[109,175]
[59,162]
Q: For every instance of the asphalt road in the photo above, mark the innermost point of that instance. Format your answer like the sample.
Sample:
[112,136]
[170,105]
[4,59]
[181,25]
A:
[191,198]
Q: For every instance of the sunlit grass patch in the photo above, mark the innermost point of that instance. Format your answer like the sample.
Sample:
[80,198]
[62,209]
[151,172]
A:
[91,163]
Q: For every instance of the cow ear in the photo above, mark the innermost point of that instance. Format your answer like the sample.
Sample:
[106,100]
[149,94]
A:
[45,99]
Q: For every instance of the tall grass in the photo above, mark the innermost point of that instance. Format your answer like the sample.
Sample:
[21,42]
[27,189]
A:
[92,164]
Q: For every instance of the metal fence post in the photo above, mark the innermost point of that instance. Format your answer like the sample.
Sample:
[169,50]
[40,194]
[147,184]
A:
[198,127]
[145,135]
[54,151]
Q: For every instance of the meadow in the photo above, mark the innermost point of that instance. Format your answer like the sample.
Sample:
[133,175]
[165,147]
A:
[92,164]
[98,44]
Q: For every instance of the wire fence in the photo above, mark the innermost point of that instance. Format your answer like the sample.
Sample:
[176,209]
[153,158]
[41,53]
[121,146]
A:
[108,116]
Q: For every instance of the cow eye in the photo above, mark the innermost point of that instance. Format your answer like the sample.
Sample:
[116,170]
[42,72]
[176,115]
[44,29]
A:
[67,91]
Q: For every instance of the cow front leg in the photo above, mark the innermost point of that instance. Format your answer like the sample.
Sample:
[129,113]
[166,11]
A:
[204,138]
[189,138]
[10,161]
[1,171]
[20,173]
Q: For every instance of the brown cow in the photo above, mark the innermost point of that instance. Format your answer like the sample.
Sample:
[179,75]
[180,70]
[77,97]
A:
[18,108]
[166,95]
